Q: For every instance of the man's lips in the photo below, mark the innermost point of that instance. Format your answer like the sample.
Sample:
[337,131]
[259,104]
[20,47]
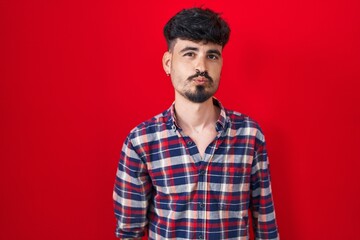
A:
[200,80]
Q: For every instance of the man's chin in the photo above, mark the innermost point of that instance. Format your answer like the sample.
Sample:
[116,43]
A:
[198,98]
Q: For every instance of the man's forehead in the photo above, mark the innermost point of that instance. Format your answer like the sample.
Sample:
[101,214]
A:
[179,44]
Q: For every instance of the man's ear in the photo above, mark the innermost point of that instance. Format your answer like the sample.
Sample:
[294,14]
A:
[166,61]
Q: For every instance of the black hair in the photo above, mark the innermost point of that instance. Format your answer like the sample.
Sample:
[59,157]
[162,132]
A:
[197,24]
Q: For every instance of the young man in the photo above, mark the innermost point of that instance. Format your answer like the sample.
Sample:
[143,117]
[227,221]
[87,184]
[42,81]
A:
[194,171]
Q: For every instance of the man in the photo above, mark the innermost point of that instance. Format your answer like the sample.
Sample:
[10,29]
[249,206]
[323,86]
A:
[194,171]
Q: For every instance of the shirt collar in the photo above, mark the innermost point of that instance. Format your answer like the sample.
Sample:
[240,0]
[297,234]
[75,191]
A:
[220,123]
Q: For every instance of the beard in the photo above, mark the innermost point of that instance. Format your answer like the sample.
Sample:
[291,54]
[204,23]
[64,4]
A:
[200,95]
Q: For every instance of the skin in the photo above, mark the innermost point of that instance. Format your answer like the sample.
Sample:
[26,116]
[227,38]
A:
[197,119]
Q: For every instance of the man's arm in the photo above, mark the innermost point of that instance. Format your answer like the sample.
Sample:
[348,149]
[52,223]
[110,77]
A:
[131,193]
[264,222]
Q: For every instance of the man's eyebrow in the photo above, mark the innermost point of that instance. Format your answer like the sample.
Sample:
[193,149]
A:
[189,49]
[214,51]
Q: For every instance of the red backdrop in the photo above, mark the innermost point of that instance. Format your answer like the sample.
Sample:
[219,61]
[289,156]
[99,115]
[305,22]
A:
[76,76]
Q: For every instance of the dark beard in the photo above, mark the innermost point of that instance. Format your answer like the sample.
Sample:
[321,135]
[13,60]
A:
[199,96]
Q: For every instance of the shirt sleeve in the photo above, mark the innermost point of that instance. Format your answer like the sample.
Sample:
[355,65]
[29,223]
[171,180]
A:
[131,193]
[261,205]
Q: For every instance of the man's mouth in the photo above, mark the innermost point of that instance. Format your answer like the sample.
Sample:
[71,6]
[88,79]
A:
[200,80]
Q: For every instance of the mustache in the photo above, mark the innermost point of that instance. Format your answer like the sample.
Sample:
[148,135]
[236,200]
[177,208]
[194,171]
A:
[201,74]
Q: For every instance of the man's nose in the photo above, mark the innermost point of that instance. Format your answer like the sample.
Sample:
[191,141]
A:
[201,64]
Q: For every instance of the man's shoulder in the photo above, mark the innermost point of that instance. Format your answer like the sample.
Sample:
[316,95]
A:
[245,125]
[238,119]
[156,123]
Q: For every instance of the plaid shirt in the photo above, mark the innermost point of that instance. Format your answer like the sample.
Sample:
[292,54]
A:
[164,185]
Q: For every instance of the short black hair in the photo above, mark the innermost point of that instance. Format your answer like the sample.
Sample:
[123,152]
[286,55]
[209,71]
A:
[197,24]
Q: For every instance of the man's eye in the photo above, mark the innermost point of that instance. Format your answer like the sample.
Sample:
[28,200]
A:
[189,54]
[213,57]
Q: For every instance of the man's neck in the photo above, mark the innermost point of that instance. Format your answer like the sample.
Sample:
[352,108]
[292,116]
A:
[195,117]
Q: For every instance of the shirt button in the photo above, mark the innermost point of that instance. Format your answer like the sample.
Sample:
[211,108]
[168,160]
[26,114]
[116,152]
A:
[202,205]
[201,236]
[189,143]
[202,172]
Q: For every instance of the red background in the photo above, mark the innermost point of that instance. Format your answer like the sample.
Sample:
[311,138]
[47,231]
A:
[76,76]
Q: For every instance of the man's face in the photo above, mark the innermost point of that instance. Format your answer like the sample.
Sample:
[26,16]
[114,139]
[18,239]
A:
[186,60]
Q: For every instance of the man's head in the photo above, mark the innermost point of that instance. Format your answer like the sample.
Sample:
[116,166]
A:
[197,25]
[195,39]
